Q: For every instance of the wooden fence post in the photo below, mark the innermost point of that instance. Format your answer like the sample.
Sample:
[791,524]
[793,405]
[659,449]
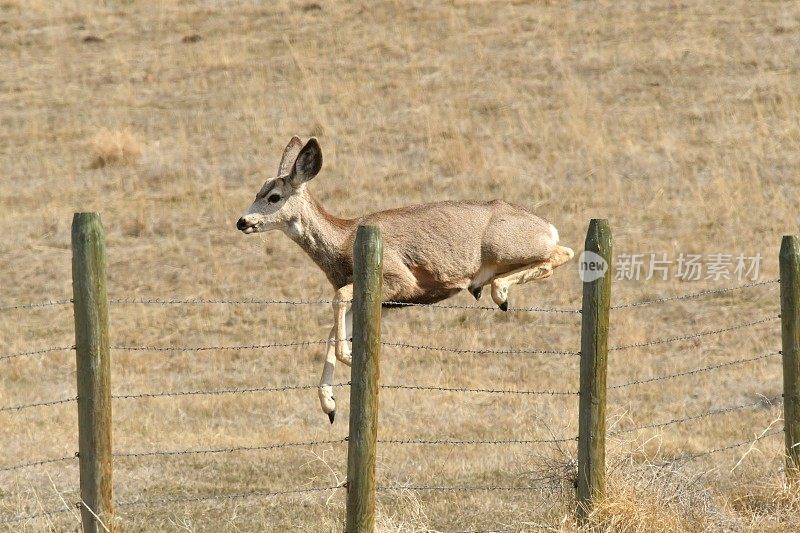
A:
[790,336]
[596,274]
[93,369]
[364,375]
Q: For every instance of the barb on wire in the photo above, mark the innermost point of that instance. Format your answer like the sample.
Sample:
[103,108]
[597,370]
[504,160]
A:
[25,518]
[230,449]
[693,294]
[253,301]
[37,352]
[231,496]
[694,371]
[695,335]
[769,402]
[731,446]
[49,303]
[476,441]
[213,392]
[478,350]
[487,391]
[37,404]
[36,463]
[216,348]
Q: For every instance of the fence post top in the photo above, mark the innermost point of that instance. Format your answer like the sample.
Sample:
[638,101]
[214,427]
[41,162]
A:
[86,222]
[79,215]
[790,245]
[368,229]
[598,236]
[368,237]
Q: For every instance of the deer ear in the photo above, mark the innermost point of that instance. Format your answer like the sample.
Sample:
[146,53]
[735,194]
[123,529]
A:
[289,155]
[308,163]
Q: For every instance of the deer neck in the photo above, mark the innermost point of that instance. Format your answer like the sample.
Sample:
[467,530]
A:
[324,237]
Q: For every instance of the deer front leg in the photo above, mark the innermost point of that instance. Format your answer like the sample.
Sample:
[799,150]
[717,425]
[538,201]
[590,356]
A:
[337,347]
[325,390]
[342,316]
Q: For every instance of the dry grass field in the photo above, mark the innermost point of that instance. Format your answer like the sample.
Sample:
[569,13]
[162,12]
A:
[679,122]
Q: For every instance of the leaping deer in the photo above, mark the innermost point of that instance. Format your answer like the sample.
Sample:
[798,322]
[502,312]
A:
[431,251]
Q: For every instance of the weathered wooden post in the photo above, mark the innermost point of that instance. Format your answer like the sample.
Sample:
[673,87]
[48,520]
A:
[790,335]
[94,372]
[364,375]
[595,266]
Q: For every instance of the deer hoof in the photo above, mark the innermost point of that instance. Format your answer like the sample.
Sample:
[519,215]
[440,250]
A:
[504,306]
[476,292]
[332,416]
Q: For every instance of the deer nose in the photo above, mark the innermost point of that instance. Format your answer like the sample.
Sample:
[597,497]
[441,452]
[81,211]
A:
[241,224]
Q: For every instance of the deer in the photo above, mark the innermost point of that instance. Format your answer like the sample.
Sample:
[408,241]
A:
[431,251]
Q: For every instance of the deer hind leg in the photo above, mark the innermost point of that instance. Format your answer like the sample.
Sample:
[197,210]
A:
[561,255]
[500,284]
[534,271]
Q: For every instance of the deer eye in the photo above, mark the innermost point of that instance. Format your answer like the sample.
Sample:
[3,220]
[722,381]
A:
[274,198]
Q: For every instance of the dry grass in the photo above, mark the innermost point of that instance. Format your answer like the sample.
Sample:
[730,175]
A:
[114,148]
[679,123]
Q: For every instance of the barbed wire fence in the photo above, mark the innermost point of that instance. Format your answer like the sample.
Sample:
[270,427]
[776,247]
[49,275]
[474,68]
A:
[278,389]
[532,483]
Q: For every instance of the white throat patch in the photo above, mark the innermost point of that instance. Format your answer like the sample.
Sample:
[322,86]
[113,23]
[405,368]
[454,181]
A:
[295,228]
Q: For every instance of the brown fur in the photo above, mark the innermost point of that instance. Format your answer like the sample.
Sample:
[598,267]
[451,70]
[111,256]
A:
[422,263]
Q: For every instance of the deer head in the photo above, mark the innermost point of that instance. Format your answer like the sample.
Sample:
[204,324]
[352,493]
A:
[282,198]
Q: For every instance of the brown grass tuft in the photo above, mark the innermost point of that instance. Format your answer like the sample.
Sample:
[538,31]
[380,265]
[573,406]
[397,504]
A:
[631,509]
[118,147]
[772,499]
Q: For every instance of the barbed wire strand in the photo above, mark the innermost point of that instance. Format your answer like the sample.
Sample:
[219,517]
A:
[693,294]
[476,441]
[694,371]
[214,301]
[34,516]
[487,307]
[478,350]
[214,392]
[216,348]
[484,530]
[245,390]
[37,352]
[265,447]
[731,446]
[49,303]
[768,402]
[487,391]
[505,530]
[464,488]
[695,335]
[232,496]
[253,301]
[231,449]
[37,404]
[36,463]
